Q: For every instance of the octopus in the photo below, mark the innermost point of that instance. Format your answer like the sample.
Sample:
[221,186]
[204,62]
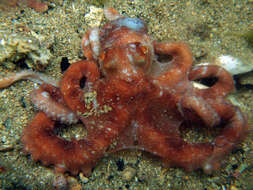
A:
[132,92]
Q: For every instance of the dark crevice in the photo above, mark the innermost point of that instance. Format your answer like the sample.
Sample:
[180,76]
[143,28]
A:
[164,58]
[64,64]
[82,82]
[209,81]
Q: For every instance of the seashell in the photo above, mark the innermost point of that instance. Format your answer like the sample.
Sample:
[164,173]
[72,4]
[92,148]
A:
[232,64]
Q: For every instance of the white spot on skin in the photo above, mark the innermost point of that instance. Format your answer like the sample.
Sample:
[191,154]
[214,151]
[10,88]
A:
[207,167]
[125,71]
[86,42]
[86,156]
[94,40]
[45,94]
[135,125]
[219,71]
[94,37]
[70,116]
[134,71]
[132,46]
[61,166]
[204,70]
[130,57]
[100,126]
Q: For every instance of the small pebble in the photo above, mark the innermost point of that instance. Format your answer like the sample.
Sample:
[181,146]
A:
[128,173]
[83,178]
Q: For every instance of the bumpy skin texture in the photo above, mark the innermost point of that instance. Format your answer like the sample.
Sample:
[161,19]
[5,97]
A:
[128,91]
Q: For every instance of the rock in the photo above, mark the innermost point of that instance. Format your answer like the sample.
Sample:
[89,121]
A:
[23,49]
[128,173]
[83,178]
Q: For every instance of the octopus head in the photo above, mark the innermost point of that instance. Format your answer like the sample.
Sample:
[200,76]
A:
[126,49]
[128,62]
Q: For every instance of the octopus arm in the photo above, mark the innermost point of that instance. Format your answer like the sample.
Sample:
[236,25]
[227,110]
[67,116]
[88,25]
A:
[40,140]
[70,83]
[221,88]
[232,133]
[197,104]
[169,73]
[173,150]
[27,75]
[50,100]
[76,155]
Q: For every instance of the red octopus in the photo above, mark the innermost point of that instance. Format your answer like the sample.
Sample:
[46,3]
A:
[137,92]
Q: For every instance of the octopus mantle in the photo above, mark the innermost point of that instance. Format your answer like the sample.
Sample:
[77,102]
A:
[139,93]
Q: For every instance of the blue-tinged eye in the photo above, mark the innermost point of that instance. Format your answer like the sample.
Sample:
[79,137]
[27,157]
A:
[132,23]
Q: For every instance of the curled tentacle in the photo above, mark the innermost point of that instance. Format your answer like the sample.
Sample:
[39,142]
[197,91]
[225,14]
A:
[221,88]
[172,148]
[40,140]
[73,156]
[177,152]
[233,133]
[70,83]
[171,72]
[50,100]
[201,107]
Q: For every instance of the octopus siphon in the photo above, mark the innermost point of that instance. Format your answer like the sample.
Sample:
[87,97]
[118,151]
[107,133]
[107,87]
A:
[132,92]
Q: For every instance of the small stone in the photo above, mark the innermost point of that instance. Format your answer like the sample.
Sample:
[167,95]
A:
[128,173]
[83,178]
[24,49]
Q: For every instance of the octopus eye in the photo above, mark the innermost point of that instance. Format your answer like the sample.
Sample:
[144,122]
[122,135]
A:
[144,49]
[140,56]
[108,60]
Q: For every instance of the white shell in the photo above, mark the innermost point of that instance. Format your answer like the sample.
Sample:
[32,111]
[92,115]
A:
[231,64]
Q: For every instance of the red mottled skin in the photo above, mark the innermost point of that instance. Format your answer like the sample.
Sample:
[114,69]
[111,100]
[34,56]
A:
[134,95]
